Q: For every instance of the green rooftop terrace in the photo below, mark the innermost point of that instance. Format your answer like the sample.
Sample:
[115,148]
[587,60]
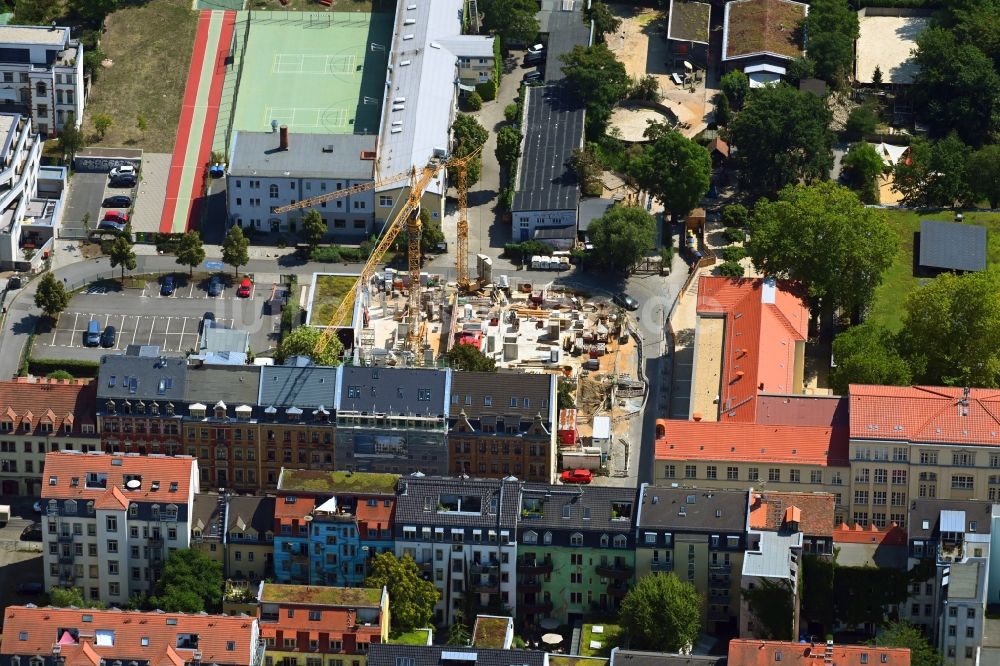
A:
[327,596]
[361,483]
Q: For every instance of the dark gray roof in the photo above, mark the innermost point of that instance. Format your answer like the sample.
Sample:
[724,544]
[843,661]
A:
[381,654]
[289,386]
[327,156]
[420,391]
[721,510]
[416,493]
[591,209]
[589,507]
[533,391]
[553,129]
[928,512]
[620,657]
[256,512]
[234,384]
[141,378]
[543,233]
[952,246]
[566,30]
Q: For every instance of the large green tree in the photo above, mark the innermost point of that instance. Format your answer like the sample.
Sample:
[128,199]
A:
[983,174]
[235,248]
[92,11]
[596,76]
[956,86]
[64,597]
[662,613]
[831,28]
[951,326]
[905,635]
[508,145]
[674,169]
[622,236]
[513,20]
[411,598]
[605,22]
[313,227]
[862,166]
[50,296]
[468,136]
[823,236]
[934,175]
[467,357]
[305,341]
[736,87]
[782,136]
[868,354]
[121,254]
[190,250]
[191,582]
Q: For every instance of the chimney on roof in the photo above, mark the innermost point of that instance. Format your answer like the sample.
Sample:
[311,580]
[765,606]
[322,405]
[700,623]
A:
[283,137]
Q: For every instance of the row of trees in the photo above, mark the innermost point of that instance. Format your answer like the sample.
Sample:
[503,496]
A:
[964,310]
[949,172]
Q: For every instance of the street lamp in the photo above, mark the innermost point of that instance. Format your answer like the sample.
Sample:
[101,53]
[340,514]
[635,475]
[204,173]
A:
[364,562]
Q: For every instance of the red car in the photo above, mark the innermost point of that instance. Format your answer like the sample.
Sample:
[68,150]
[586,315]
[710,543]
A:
[116,216]
[243,291]
[577,476]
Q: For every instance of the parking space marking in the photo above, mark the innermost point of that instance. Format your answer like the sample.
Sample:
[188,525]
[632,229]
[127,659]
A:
[73,337]
[191,291]
[149,340]
[180,343]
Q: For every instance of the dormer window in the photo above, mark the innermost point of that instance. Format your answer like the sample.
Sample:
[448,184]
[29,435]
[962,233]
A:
[154,409]
[127,407]
[220,410]
[46,427]
[6,425]
[26,425]
[111,407]
[140,408]
[67,428]
[170,409]
[197,410]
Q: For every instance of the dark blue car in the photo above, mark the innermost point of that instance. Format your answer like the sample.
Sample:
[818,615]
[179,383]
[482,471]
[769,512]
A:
[167,286]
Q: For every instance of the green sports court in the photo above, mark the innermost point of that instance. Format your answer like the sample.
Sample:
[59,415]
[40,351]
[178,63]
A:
[320,73]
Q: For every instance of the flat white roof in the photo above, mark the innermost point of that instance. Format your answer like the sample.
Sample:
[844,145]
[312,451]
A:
[27,35]
[602,427]
[886,42]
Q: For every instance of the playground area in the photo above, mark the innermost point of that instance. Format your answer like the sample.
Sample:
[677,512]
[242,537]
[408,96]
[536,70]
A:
[314,72]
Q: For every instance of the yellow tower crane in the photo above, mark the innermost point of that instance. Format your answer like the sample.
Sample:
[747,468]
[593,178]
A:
[408,216]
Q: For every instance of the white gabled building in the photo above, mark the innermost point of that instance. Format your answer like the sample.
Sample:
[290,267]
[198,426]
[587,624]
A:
[41,75]
[110,521]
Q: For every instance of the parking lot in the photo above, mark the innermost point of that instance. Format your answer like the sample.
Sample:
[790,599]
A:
[145,317]
[87,192]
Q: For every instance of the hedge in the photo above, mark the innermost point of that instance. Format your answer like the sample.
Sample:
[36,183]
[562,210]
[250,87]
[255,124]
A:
[77,368]
[487,91]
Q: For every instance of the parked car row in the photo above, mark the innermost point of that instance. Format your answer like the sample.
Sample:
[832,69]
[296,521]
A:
[123,176]
[94,336]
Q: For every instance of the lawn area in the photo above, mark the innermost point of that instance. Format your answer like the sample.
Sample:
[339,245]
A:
[150,45]
[329,292]
[415,637]
[887,308]
[609,638]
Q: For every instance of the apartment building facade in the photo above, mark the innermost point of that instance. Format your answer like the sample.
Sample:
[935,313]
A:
[93,637]
[39,415]
[269,170]
[349,522]
[700,536]
[321,626]
[42,71]
[576,551]
[503,424]
[109,522]
[952,538]
[237,531]
[462,533]
[393,420]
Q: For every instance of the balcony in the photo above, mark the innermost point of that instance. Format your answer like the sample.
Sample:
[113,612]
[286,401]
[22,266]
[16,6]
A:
[617,571]
[426,567]
[65,538]
[488,584]
[532,566]
[659,566]
[155,538]
[530,585]
[720,567]
[618,590]
[67,580]
[65,559]
[483,567]
[539,606]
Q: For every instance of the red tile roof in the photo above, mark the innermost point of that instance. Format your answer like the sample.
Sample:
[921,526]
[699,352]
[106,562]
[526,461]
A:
[712,440]
[36,400]
[764,320]
[378,517]
[285,512]
[894,535]
[135,636]
[803,410]
[925,414]
[744,652]
[813,512]
[66,474]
